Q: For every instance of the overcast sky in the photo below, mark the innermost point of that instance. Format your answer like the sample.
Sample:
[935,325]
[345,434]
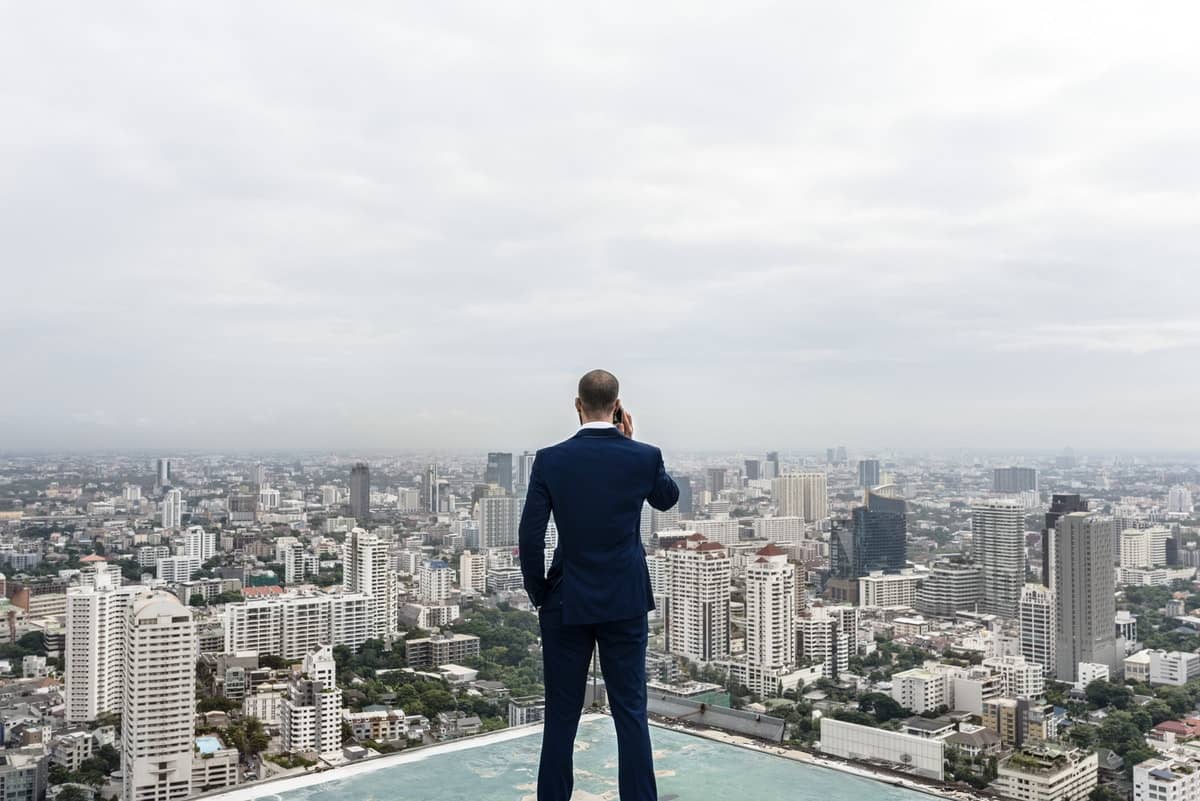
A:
[415,225]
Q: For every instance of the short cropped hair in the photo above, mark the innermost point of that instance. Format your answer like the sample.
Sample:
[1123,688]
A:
[598,391]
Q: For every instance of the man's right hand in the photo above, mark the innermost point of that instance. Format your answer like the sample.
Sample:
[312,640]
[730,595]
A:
[626,426]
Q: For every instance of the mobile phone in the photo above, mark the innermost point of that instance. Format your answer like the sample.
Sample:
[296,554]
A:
[617,416]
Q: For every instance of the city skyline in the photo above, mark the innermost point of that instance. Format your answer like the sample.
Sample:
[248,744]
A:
[415,228]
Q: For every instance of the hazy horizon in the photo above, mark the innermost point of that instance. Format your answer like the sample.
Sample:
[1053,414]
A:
[299,227]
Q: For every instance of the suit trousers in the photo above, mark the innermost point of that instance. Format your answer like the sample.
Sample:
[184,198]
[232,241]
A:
[566,654]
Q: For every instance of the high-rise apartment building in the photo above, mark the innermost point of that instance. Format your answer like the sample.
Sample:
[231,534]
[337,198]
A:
[699,575]
[951,586]
[500,471]
[158,713]
[868,473]
[360,493]
[1060,504]
[94,656]
[1014,479]
[825,637]
[802,495]
[1083,593]
[291,625]
[311,715]
[1144,547]
[998,547]
[770,618]
[1038,629]
[779,529]
[1179,500]
[499,518]
[472,572]
[365,570]
[874,540]
[200,544]
[435,581]
[172,509]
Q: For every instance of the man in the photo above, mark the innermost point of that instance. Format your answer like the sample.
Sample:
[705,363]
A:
[597,591]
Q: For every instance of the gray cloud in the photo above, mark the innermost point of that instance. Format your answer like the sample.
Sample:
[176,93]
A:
[272,225]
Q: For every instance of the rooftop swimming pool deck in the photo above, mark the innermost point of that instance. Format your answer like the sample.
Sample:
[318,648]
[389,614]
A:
[503,767]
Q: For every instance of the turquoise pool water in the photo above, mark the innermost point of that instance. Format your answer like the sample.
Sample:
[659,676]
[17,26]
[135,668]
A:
[690,769]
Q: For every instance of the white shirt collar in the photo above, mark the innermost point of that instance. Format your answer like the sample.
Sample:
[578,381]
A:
[596,424]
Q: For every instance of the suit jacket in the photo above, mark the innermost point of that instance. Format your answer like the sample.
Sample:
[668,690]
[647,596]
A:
[594,484]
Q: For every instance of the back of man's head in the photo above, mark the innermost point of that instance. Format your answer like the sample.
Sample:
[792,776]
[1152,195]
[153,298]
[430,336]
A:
[598,391]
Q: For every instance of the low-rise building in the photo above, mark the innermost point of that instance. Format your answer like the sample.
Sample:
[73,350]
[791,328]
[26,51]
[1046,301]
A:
[384,725]
[1174,668]
[1137,666]
[1166,778]
[924,757]
[23,774]
[1047,774]
[438,650]
[530,709]
[214,766]
[71,749]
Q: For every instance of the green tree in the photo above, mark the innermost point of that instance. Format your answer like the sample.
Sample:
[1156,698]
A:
[882,706]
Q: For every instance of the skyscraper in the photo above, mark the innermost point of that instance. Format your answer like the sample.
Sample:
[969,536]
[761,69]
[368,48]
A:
[431,490]
[770,618]
[841,454]
[716,480]
[158,714]
[801,495]
[500,471]
[868,473]
[1014,479]
[524,470]
[684,506]
[875,539]
[94,656]
[753,469]
[365,570]
[698,593]
[1083,593]
[998,547]
[1060,504]
[172,509]
[773,461]
[829,457]
[163,475]
[360,493]
[1038,630]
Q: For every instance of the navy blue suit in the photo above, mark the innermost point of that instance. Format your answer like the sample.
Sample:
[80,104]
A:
[596,593]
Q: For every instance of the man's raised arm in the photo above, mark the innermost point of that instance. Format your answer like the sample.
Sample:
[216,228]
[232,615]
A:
[534,520]
[665,493]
